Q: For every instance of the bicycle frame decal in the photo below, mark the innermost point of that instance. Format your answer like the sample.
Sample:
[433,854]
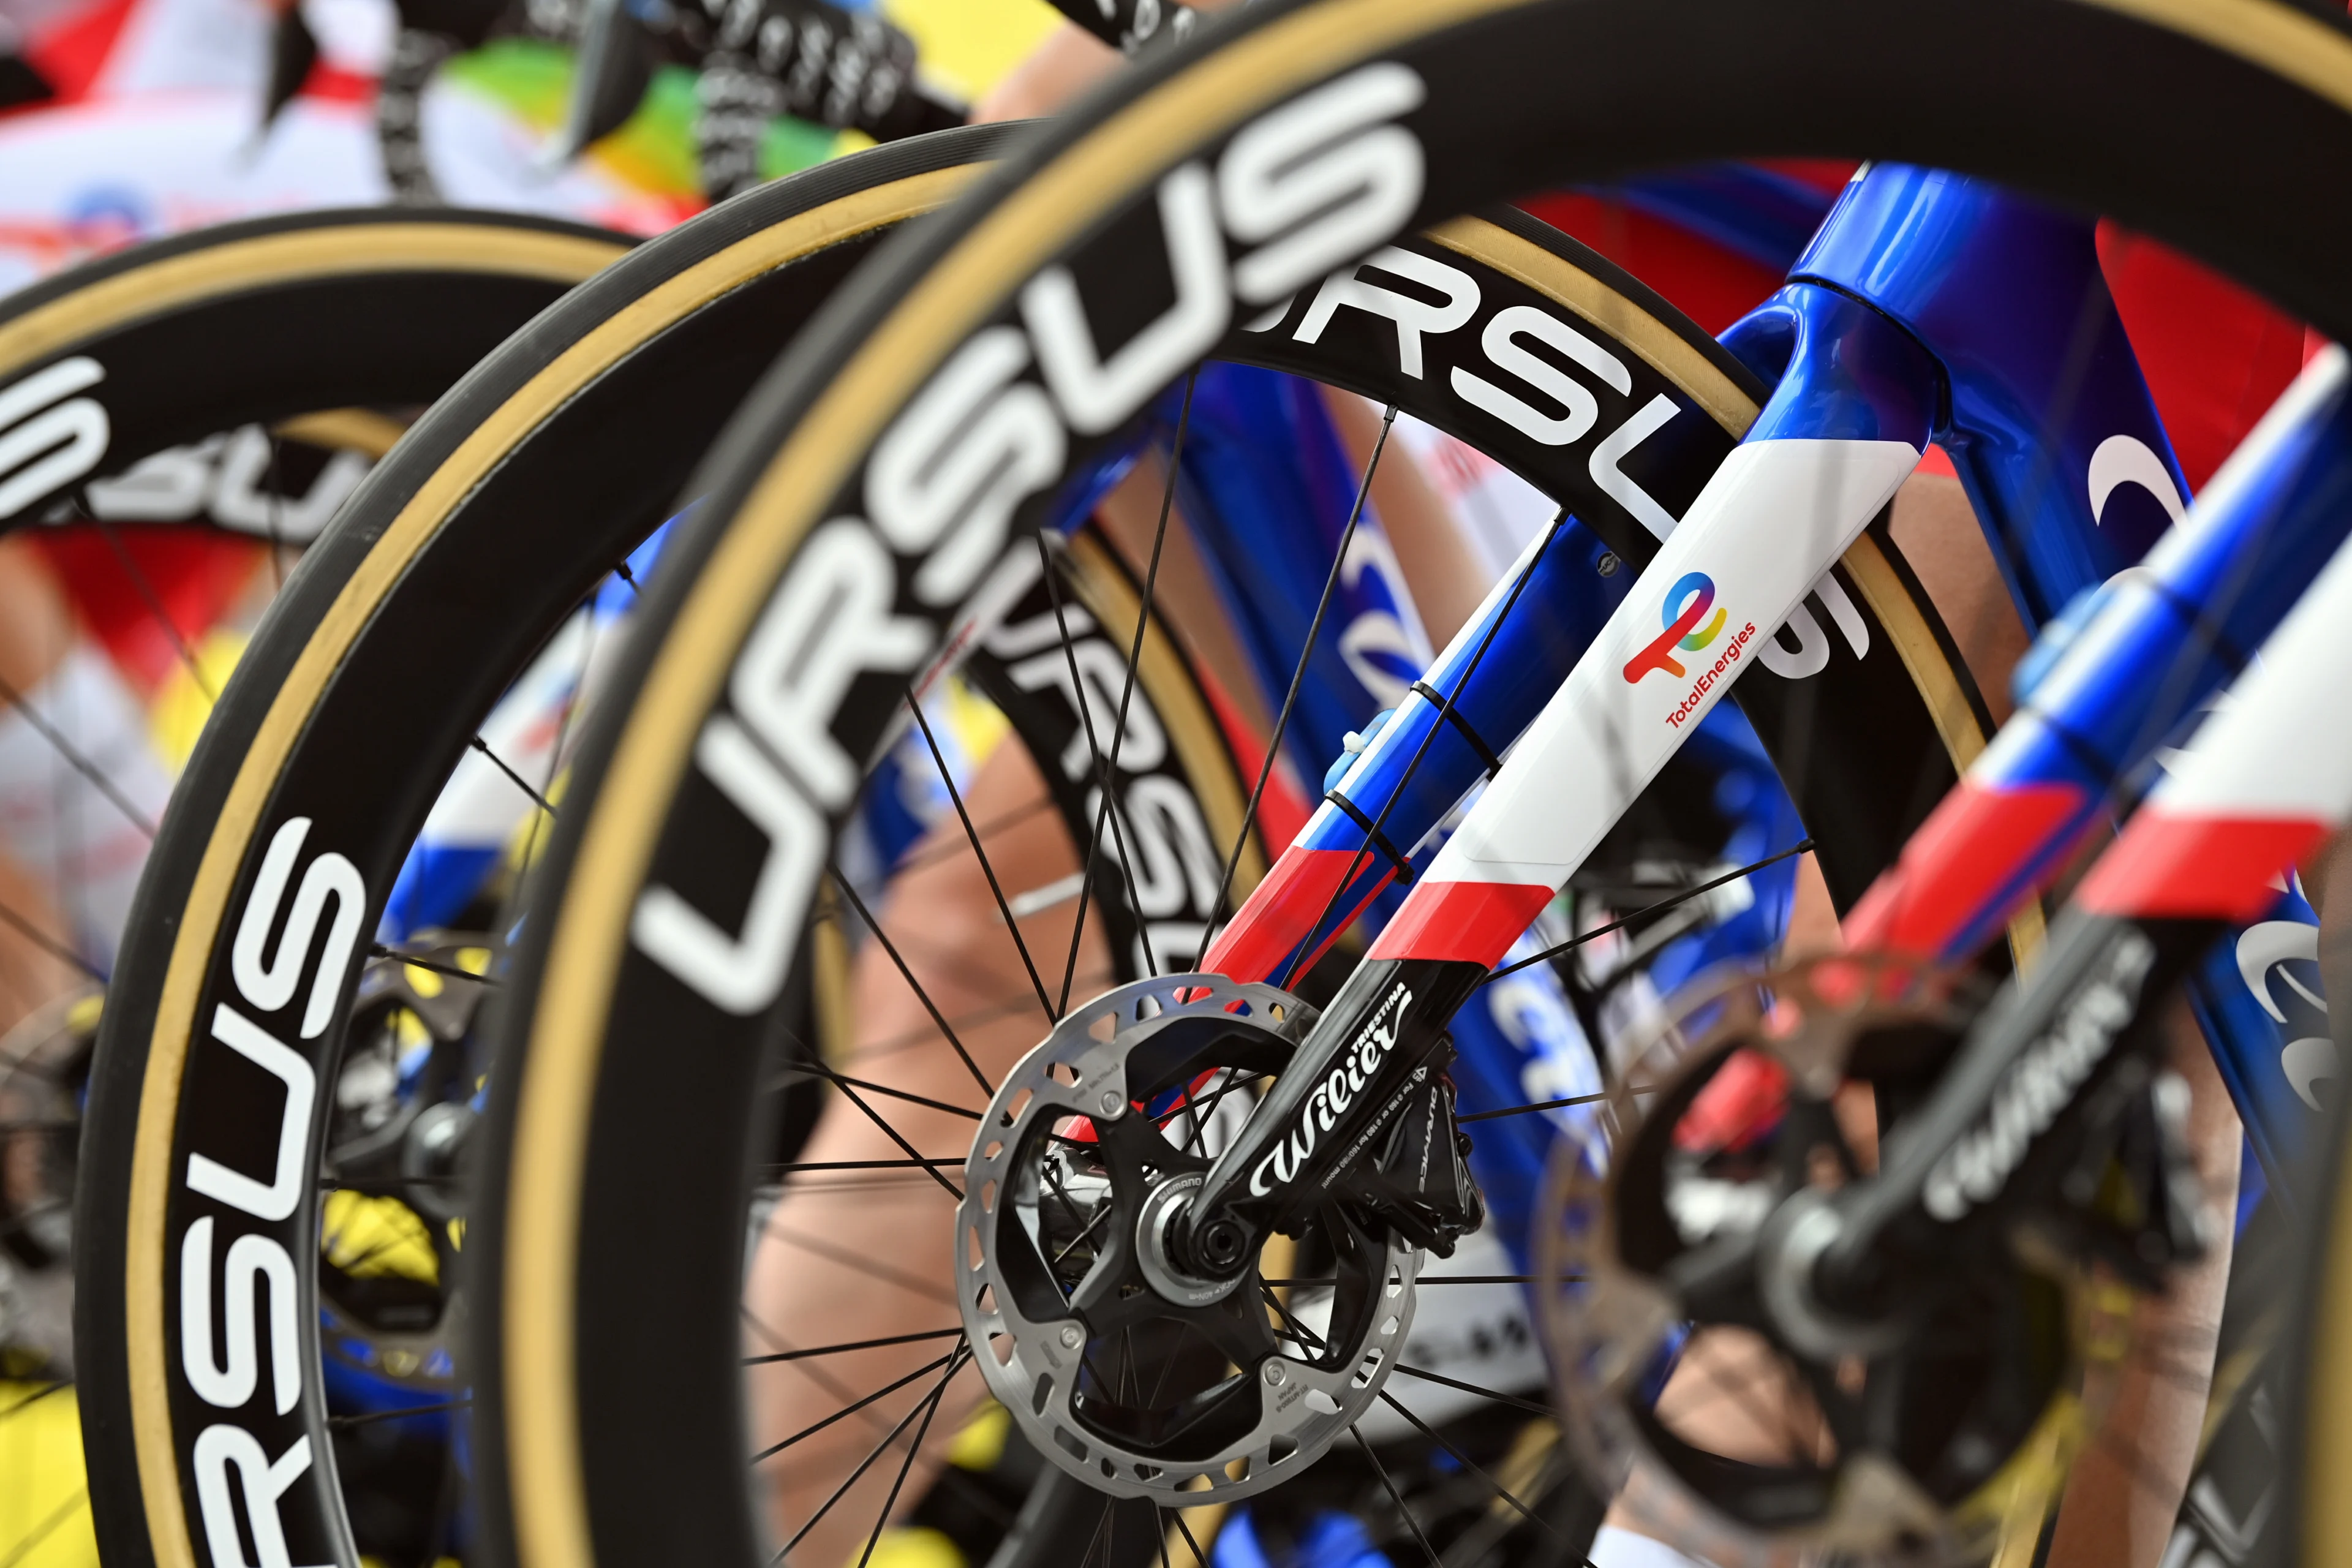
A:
[1600,740]
[1687,604]
[1505,861]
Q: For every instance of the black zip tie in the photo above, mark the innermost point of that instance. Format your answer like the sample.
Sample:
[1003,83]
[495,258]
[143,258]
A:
[1453,715]
[1372,837]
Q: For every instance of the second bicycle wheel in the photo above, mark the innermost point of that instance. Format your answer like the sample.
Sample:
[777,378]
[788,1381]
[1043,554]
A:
[451,569]
[904,449]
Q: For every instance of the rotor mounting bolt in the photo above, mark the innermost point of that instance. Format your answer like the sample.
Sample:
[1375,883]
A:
[1113,1103]
[1072,1336]
[1274,1374]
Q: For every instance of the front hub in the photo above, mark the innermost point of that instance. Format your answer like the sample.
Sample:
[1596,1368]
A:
[1124,1362]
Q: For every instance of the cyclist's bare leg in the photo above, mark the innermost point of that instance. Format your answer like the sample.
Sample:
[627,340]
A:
[804,1283]
[1066,64]
[1446,578]
[2124,1491]
[2110,1507]
[848,1257]
[37,637]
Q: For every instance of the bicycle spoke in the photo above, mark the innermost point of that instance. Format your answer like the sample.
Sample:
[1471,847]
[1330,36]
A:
[1062,1195]
[1523,1110]
[153,602]
[867,1463]
[909,975]
[1072,1245]
[914,1448]
[826,1075]
[851,1345]
[1456,1382]
[894,1136]
[1379,1469]
[378,949]
[941,1164]
[1307,948]
[818,1070]
[564,724]
[1097,1539]
[76,760]
[1102,781]
[35,1397]
[1143,611]
[848,1410]
[814,1371]
[520,782]
[1298,675]
[1799,847]
[1463,1459]
[987,870]
[1445,1279]
[987,1014]
[860,1264]
[1012,818]
[1200,1558]
[385,1186]
[46,1528]
[953,963]
[366,1416]
[1200,1121]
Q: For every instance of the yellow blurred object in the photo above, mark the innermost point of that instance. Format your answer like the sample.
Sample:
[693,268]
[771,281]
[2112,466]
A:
[409,1033]
[178,715]
[44,1501]
[83,1015]
[914,1547]
[966,45]
[976,723]
[531,833]
[982,1442]
[368,1237]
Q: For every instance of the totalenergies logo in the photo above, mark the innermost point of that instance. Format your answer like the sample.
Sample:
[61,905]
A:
[1695,595]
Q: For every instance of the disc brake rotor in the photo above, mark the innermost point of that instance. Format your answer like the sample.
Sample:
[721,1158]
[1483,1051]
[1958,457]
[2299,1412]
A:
[1782,1430]
[1130,1375]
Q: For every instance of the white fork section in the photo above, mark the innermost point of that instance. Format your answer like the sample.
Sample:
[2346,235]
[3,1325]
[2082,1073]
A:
[1771,522]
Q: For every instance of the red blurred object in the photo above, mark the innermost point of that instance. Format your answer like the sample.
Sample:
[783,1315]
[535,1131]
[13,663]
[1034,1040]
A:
[1707,282]
[2216,356]
[191,575]
[1742,1102]
[71,51]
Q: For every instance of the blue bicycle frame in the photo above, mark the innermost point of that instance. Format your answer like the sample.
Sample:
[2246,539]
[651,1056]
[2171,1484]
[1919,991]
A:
[2033,390]
[1933,307]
